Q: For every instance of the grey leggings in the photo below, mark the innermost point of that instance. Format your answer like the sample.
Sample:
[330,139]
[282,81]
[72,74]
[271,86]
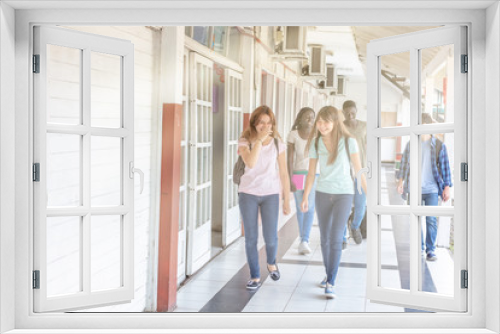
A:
[333,212]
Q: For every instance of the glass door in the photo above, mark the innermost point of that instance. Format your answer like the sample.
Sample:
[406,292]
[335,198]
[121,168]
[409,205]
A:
[233,128]
[199,232]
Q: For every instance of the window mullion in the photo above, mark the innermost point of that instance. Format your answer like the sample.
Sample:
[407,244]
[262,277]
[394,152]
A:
[414,171]
[86,170]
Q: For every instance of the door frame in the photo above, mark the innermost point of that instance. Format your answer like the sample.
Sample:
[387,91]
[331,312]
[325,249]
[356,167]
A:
[477,101]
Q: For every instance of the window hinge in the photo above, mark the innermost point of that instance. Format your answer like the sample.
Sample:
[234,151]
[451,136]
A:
[36,63]
[36,172]
[465,64]
[36,279]
[465,279]
[464,171]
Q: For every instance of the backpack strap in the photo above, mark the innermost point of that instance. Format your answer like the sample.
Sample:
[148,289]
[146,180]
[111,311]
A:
[277,147]
[346,144]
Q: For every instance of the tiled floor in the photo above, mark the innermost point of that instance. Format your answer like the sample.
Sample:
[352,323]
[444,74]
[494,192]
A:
[221,283]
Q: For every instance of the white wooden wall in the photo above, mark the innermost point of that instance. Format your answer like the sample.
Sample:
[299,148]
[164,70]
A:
[147,128]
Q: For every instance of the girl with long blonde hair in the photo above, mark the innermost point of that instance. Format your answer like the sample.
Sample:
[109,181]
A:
[331,145]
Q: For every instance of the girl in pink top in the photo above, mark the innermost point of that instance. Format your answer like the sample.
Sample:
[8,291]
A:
[263,152]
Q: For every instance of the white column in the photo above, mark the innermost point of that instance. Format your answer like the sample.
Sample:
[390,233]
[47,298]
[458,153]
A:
[248,98]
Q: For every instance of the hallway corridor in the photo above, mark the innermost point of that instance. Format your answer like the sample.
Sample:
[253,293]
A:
[220,285]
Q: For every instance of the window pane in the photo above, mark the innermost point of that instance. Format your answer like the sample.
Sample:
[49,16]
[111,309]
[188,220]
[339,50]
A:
[437,266]
[105,90]
[437,88]
[219,41]
[392,170]
[395,80]
[63,170]
[437,169]
[63,85]
[106,252]
[200,34]
[63,255]
[106,171]
[395,251]
[182,210]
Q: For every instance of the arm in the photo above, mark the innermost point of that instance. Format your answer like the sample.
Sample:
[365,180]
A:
[446,173]
[356,162]
[403,170]
[285,182]
[291,154]
[311,174]
[250,157]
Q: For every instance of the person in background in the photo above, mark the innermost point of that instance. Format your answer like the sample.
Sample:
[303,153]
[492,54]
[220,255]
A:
[357,129]
[435,182]
[298,165]
[263,153]
[331,145]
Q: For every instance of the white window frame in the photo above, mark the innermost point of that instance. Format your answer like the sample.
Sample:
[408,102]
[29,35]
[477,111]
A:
[483,52]
[86,44]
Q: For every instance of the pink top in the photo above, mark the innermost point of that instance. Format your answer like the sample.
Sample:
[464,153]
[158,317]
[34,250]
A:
[264,178]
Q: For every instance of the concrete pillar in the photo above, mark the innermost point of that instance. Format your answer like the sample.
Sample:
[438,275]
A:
[172,52]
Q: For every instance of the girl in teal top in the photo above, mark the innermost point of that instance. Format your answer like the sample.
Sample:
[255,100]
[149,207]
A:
[335,188]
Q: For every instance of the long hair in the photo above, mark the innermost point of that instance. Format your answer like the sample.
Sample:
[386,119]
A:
[301,114]
[250,133]
[329,114]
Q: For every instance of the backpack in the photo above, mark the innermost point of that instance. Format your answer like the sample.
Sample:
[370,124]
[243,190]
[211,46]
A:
[239,166]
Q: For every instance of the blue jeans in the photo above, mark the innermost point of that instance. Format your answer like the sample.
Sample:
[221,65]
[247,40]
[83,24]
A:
[430,224]
[359,209]
[333,212]
[269,212]
[305,219]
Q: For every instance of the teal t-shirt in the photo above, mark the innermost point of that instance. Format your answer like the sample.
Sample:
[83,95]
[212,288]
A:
[334,178]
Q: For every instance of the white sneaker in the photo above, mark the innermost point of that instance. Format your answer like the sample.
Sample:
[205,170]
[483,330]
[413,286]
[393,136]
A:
[304,248]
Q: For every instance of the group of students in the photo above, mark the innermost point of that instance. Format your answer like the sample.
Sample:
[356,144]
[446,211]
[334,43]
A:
[324,152]
[321,151]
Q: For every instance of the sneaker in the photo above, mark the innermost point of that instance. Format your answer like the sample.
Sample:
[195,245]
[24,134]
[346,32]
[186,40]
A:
[322,284]
[252,285]
[431,256]
[356,235]
[329,293]
[304,248]
[344,245]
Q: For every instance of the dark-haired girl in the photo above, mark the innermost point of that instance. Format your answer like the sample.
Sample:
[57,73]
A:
[298,165]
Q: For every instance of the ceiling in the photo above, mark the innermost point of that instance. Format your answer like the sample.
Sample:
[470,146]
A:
[346,47]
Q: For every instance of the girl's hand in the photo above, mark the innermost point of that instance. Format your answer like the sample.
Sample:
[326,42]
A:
[293,188]
[400,186]
[304,205]
[286,207]
[263,134]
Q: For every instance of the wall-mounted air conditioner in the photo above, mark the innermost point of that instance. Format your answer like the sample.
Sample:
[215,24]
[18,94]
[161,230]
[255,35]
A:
[331,77]
[341,85]
[317,60]
[294,39]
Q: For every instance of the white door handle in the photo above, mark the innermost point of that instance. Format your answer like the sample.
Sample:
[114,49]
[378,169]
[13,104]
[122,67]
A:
[368,171]
[133,170]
